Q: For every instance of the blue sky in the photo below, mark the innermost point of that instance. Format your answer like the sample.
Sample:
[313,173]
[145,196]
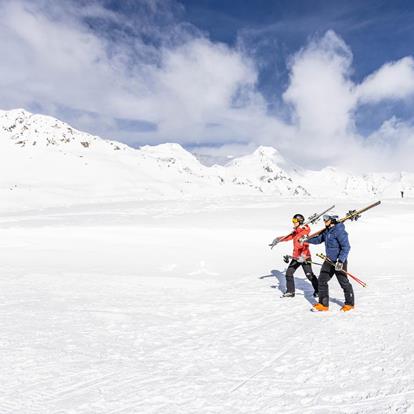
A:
[220,77]
[376,31]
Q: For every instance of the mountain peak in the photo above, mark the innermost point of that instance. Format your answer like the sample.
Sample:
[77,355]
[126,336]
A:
[169,150]
[26,129]
[266,157]
[266,151]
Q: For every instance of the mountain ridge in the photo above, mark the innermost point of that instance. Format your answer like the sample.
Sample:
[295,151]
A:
[39,151]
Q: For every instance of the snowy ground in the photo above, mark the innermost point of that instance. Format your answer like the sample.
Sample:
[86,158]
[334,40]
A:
[174,307]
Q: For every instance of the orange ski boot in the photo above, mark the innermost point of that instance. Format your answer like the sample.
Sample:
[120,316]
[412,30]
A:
[347,308]
[318,307]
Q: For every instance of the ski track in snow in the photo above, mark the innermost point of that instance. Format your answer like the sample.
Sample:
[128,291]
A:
[129,312]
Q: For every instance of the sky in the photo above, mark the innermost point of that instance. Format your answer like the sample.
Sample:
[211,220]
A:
[325,82]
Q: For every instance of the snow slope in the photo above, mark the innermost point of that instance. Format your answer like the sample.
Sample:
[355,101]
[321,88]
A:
[45,162]
[174,307]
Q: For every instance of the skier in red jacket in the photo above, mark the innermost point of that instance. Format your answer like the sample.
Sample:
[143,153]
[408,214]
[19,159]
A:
[300,257]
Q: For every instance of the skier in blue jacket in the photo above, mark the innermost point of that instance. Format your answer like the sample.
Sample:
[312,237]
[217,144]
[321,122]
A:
[337,248]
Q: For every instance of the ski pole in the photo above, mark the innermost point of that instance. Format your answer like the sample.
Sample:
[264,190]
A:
[287,257]
[322,256]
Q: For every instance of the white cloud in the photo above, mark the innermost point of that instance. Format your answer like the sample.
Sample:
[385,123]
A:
[320,89]
[394,80]
[185,86]
[326,101]
[196,84]
[322,96]
[191,89]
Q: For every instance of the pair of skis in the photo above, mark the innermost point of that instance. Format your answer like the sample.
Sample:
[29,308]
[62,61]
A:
[352,215]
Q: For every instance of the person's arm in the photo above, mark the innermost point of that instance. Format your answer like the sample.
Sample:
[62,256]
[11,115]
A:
[286,238]
[281,239]
[344,246]
[317,239]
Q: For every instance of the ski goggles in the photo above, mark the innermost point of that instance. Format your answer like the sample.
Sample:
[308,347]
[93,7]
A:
[295,220]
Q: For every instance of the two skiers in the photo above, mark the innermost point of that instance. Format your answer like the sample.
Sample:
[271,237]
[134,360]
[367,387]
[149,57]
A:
[337,248]
[301,256]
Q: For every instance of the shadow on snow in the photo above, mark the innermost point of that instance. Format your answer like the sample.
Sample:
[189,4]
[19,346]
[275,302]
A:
[300,284]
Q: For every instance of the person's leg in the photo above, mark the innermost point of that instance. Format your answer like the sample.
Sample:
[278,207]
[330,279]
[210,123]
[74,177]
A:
[290,281]
[346,286]
[307,268]
[327,272]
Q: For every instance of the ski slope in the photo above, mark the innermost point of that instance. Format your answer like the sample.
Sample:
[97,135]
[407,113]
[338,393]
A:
[174,307]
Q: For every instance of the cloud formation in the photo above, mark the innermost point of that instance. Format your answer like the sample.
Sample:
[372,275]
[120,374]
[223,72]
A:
[187,86]
[394,80]
[146,76]
[322,94]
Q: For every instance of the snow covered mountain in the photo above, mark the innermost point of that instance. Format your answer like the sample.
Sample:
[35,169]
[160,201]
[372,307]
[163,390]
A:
[265,170]
[44,159]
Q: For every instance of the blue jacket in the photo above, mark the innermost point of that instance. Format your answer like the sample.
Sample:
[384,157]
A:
[336,241]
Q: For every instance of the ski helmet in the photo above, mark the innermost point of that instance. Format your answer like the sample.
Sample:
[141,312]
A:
[298,218]
[331,217]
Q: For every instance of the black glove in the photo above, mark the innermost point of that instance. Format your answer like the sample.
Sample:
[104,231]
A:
[339,266]
[286,258]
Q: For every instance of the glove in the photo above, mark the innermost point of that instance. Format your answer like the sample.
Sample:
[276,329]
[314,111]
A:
[300,259]
[274,242]
[339,266]
[286,258]
[303,239]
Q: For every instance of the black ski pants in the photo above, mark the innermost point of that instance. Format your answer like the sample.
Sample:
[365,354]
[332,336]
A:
[327,271]
[307,268]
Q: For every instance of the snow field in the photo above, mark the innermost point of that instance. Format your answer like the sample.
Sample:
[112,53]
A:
[173,307]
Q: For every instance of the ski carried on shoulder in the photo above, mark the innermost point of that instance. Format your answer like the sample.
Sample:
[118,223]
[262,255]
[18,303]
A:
[327,259]
[352,215]
[311,220]
[315,217]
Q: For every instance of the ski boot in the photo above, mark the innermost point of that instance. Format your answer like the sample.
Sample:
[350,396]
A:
[318,307]
[288,295]
[347,308]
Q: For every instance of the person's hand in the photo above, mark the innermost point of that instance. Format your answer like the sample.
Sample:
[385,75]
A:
[339,266]
[274,242]
[300,259]
[303,239]
[286,258]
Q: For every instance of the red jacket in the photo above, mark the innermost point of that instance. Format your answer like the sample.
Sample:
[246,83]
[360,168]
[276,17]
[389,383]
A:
[299,249]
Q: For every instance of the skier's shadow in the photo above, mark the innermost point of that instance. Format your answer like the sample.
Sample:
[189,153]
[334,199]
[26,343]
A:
[300,284]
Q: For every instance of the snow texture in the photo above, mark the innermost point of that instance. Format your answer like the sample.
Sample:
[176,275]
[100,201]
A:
[174,307]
